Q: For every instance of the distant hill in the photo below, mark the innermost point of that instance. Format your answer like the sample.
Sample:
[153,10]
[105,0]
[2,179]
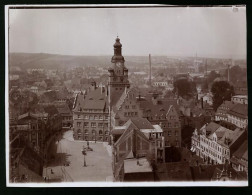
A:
[54,61]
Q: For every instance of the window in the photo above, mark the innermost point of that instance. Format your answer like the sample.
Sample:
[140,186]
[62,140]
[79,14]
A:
[85,124]
[125,113]
[136,114]
[78,124]
[126,107]
[78,116]
[93,132]
[106,132]
[100,125]
[93,124]
[169,133]
[86,131]
[96,117]
[169,124]
[100,132]
[100,117]
[176,133]
[134,106]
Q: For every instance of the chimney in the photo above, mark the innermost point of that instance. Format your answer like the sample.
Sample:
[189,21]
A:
[202,104]
[228,73]
[102,89]
[150,69]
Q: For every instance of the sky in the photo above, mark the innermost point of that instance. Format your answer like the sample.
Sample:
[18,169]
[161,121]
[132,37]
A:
[169,31]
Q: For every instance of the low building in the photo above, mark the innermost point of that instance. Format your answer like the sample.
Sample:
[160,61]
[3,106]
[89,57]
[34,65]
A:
[66,115]
[240,99]
[238,115]
[221,113]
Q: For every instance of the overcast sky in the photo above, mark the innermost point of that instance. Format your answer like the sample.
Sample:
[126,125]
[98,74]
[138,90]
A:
[209,32]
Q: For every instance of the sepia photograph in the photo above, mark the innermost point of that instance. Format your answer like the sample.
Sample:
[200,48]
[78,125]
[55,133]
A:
[126,95]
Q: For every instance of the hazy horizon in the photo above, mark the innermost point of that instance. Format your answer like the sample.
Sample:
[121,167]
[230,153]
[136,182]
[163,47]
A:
[213,32]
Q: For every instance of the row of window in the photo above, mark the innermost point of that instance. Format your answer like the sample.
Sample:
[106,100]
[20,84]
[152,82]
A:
[92,110]
[130,114]
[214,146]
[93,132]
[92,138]
[167,143]
[67,118]
[93,117]
[93,124]
[162,117]
[133,107]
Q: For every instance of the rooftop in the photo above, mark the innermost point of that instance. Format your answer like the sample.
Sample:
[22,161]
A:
[239,110]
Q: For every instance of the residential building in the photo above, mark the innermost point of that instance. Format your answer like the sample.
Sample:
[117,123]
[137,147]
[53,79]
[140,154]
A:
[165,114]
[222,110]
[240,99]
[216,144]
[238,115]
[126,107]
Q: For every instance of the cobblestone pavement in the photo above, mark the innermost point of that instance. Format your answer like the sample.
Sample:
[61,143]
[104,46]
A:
[69,151]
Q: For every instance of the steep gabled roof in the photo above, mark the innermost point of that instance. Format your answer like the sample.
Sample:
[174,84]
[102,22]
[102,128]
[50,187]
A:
[142,123]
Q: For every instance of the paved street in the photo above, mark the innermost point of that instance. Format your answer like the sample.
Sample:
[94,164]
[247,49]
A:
[69,152]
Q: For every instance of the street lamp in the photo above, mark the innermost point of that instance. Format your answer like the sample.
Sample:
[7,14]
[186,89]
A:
[84,154]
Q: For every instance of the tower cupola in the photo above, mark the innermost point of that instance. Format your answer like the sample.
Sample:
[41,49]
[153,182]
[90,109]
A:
[117,52]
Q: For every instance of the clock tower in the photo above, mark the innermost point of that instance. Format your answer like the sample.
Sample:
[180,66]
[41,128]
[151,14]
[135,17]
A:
[118,74]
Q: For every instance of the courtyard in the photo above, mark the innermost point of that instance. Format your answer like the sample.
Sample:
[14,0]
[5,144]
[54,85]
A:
[67,164]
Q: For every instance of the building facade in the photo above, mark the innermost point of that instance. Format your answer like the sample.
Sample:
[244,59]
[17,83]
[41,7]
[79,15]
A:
[216,144]
[90,115]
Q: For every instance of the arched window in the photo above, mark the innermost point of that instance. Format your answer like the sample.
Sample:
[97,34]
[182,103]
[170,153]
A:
[93,132]
[100,117]
[100,132]
[86,131]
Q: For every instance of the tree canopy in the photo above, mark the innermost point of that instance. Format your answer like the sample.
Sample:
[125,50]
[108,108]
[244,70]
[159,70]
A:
[221,91]
[184,87]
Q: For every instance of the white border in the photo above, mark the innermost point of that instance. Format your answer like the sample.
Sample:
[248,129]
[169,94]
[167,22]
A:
[87,184]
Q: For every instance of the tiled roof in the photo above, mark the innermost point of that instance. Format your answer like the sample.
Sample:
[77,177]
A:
[211,127]
[142,123]
[95,99]
[159,109]
[239,110]
[63,109]
[242,151]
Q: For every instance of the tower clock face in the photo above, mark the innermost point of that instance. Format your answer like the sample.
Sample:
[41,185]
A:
[118,63]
